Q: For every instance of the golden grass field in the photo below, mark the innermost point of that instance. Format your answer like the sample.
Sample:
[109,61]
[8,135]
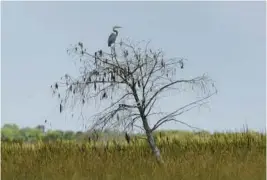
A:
[228,156]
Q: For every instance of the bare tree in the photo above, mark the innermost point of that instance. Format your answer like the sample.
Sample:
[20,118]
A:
[132,79]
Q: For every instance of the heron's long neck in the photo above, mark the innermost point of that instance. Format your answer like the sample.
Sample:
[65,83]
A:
[116,31]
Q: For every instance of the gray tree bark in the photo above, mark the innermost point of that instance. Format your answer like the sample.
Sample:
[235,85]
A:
[154,147]
[151,141]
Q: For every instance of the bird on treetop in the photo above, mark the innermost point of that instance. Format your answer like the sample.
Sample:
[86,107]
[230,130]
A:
[112,37]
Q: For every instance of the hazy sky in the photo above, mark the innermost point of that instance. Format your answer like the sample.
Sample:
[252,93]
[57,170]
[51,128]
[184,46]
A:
[224,39]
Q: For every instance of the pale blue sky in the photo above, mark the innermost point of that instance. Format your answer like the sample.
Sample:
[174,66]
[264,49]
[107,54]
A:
[224,39]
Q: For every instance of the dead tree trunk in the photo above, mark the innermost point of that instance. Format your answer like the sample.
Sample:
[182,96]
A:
[150,138]
[151,141]
[154,147]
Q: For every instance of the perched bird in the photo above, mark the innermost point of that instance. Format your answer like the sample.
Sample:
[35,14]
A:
[127,137]
[112,37]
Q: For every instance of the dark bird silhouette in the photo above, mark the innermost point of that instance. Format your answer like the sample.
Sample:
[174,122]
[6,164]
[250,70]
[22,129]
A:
[60,108]
[112,37]
[127,137]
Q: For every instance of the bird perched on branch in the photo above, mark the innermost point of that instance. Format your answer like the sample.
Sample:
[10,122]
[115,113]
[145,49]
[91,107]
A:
[127,137]
[112,37]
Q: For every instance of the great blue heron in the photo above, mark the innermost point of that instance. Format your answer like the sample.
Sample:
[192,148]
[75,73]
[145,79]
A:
[112,37]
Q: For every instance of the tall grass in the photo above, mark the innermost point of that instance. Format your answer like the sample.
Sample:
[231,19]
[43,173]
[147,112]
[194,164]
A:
[228,156]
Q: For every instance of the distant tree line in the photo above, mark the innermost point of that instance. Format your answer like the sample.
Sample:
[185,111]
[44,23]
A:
[12,132]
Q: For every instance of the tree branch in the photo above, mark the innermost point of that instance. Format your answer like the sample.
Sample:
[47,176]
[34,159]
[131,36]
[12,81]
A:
[181,110]
[168,85]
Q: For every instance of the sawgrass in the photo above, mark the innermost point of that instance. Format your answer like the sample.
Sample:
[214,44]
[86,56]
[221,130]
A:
[226,156]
